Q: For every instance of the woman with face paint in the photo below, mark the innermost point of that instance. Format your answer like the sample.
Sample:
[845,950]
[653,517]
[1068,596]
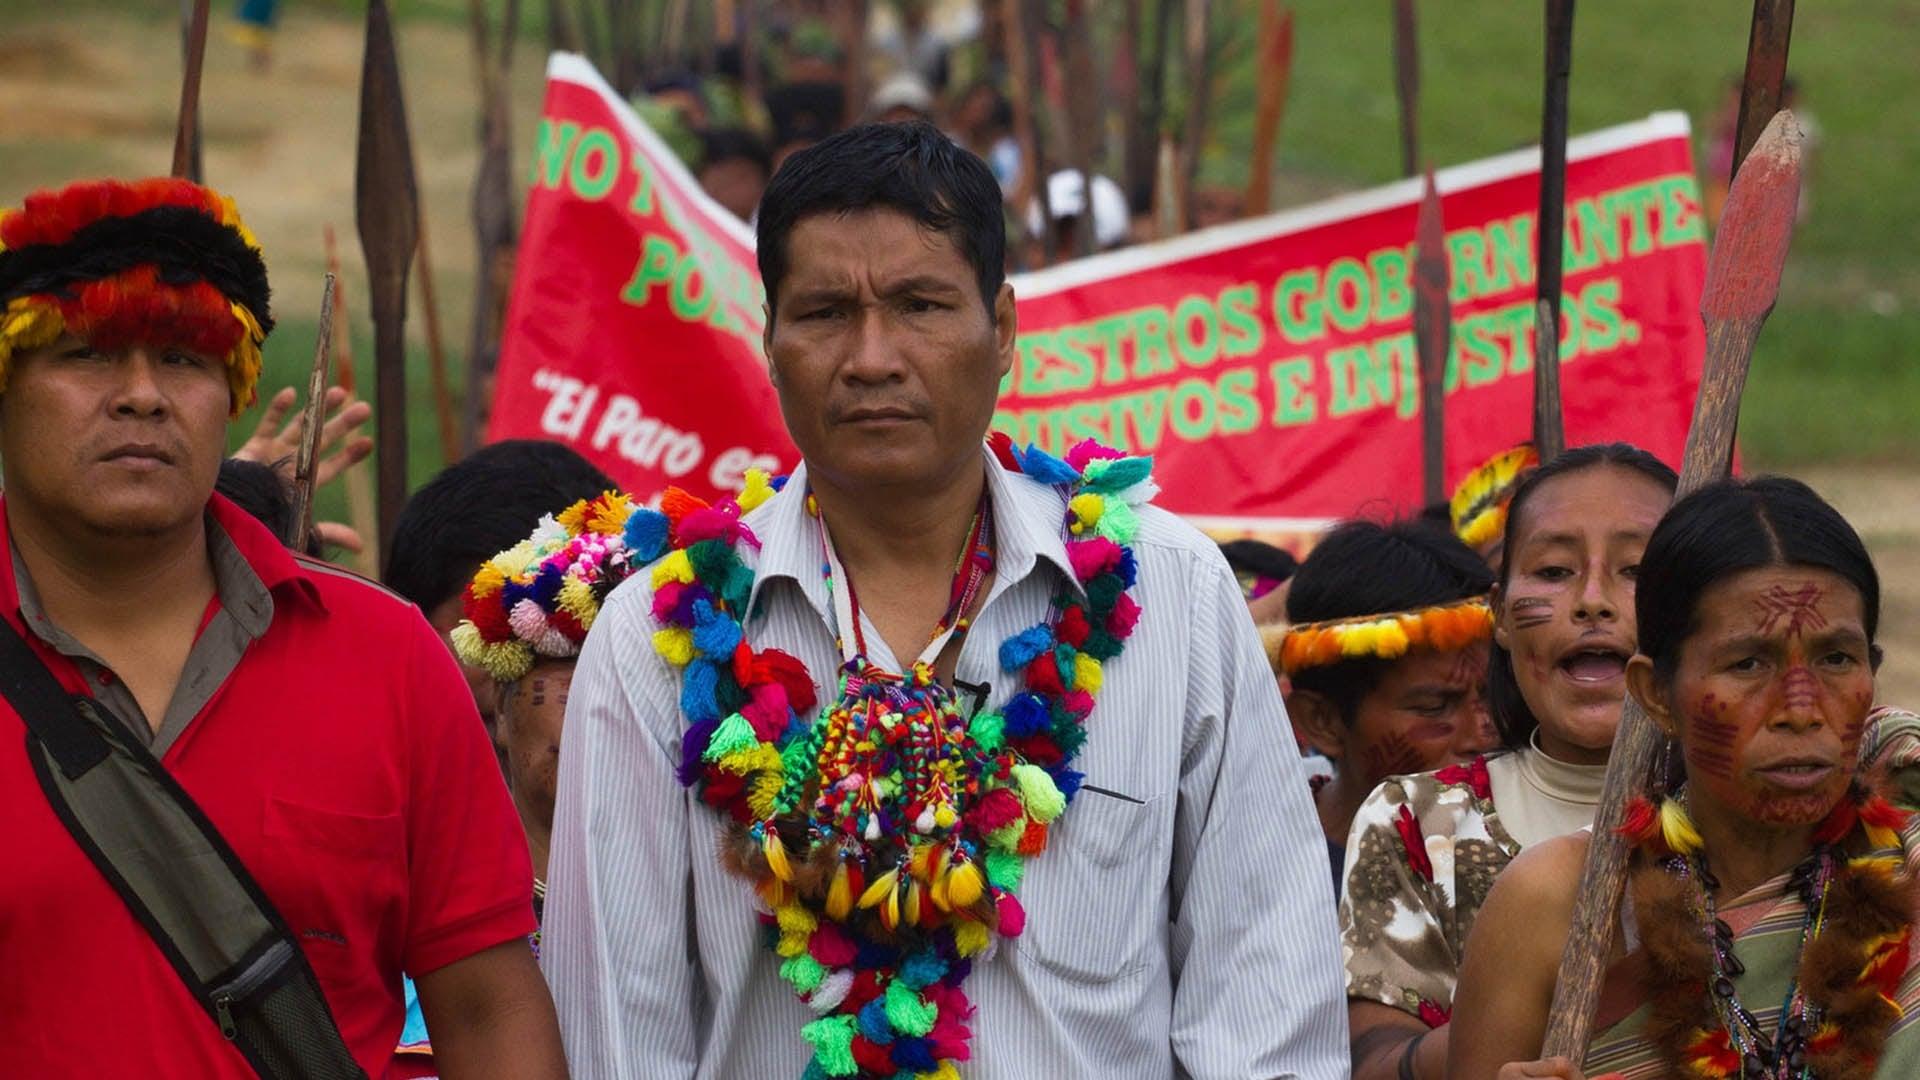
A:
[1770,898]
[1425,849]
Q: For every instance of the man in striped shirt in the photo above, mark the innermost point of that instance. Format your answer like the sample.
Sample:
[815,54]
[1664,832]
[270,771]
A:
[1178,923]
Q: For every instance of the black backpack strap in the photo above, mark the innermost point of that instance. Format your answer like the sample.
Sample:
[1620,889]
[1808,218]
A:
[177,876]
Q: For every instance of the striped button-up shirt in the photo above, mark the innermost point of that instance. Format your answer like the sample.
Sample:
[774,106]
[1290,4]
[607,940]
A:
[1178,925]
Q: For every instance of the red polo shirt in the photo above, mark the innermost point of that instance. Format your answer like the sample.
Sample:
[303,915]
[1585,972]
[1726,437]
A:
[341,757]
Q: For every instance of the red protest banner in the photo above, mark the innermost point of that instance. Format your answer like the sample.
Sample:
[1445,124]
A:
[1267,365]
[633,330]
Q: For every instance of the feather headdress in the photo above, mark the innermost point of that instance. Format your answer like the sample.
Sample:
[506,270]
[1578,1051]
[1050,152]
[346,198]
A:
[114,262]
[1479,505]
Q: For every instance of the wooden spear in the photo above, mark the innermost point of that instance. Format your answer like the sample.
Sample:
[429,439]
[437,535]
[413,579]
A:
[1743,280]
[1270,101]
[1764,85]
[1406,84]
[1432,337]
[1081,115]
[494,227]
[1021,81]
[436,354]
[1143,136]
[300,523]
[857,14]
[387,212]
[186,131]
[360,511]
[1549,427]
[1193,134]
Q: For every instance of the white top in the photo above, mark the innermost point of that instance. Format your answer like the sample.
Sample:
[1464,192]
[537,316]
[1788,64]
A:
[1179,923]
[1539,797]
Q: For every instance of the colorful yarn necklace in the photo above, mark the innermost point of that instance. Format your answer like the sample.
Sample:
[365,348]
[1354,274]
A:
[887,834]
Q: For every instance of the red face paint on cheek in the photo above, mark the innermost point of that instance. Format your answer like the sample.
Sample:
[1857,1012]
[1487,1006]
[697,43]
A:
[1392,755]
[1711,740]
[1531,611]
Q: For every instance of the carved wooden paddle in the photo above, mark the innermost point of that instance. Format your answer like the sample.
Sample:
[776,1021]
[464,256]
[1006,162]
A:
[1743,280]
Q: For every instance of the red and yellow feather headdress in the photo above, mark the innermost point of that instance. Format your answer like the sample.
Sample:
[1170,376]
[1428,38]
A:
[159,262]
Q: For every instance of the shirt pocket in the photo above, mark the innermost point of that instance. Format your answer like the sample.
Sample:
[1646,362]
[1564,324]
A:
[339,878]
[1093,898]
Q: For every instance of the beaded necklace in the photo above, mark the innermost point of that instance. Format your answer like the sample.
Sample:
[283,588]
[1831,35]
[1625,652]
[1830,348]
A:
[886,836]
[1854,941]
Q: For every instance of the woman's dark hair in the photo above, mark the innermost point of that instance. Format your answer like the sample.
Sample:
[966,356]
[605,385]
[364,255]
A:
[1731,527]
[1511,715]
[478,507]
[1249,556]
[910,167]
[1366,568]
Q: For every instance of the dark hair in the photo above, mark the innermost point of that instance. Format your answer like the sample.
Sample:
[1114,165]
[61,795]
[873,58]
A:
[1511,716]
[805,111]
[910,167]
[734,144]
[1731,527]
[1366,568]
[258,490]
[478,507]
[1249,556]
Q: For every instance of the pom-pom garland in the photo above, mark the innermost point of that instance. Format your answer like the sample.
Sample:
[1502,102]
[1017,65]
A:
[163,262]
[886,834]
[1388,637]
[1478,507]
[539,597]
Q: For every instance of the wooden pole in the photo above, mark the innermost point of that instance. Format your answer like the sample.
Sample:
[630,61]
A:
[1020,91]
[1193,134]
[360,506]
[387,212]
[1123,101]
[750,49]
[1766,77]
[186,130]
[857,14]
[436,353]
[1143,137]
[1082,116]
[1549,425]
[1743,280]
[1275,50]
[300,523]
[494,226]
[1432,337]
[1406,84]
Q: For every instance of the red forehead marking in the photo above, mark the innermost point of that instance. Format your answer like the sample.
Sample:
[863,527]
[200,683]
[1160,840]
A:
[1797,608]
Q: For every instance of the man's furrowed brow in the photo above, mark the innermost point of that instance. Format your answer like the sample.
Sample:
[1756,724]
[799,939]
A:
[925,284]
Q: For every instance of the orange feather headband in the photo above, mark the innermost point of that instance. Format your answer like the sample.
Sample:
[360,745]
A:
[1387,637]
[161,262]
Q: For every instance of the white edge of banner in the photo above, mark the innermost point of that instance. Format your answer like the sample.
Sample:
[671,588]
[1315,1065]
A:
[577,69]
[1660,125]
[1206,522]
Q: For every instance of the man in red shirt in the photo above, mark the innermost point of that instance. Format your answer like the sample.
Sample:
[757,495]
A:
[314,718]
